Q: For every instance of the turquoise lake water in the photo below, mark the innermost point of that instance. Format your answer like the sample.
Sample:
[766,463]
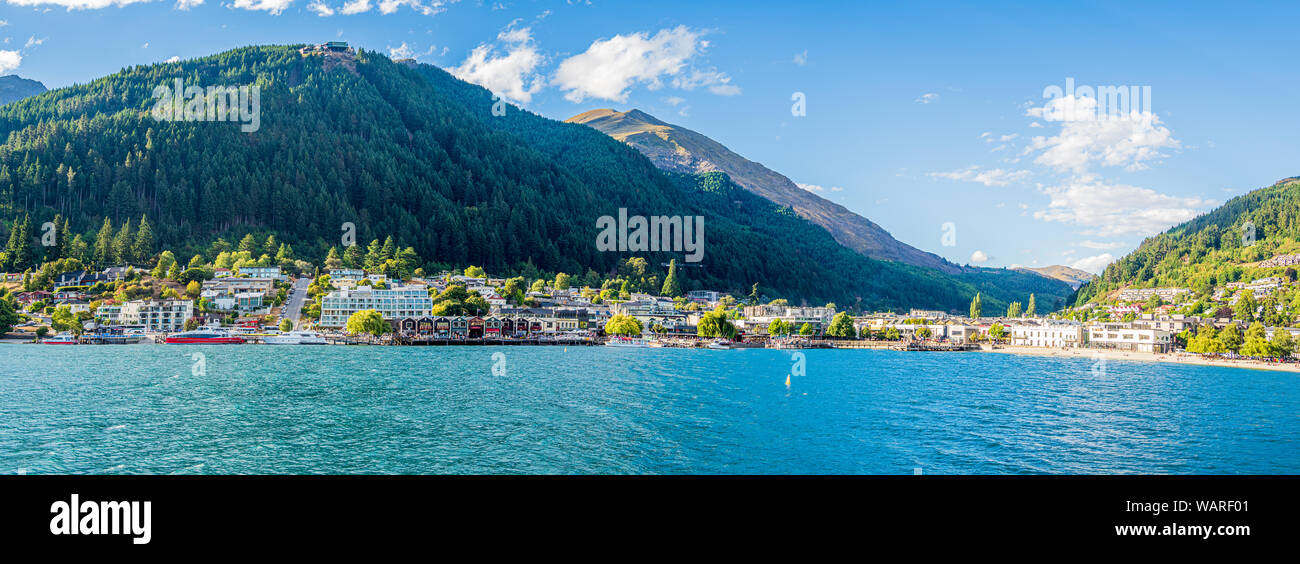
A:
[156,409]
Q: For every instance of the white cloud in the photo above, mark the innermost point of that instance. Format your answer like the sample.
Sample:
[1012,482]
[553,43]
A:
[1093,264]
[275,7]
[1086,139]
[1101,245]
[33,41]
[4,23]
[927,98]
[674,100]
[819,188]
[1110,210]
[355,7]
[991,177]
[430,8]
[401,52]
[978,257]
[511,75]
[174,59]
[320,8]
[76,4]
[9,60]
[187,4]
[609,68]
[801,59]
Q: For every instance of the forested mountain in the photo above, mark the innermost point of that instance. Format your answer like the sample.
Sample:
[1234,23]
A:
[411,152]
[14,87]
[1230,244]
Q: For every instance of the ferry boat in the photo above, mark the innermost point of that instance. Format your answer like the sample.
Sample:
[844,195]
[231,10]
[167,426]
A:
[627,342]
[295,338]
[60,339]
[719,344]
[204,337]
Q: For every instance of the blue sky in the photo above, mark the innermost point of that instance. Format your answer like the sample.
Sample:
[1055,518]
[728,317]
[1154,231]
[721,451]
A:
[918,114]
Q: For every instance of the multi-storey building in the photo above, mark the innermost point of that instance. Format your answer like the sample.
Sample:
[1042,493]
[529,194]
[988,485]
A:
[1144,294]
[157,315]
[1123,336]
[393,304]
[1054,335]
[271,272]
[232,285]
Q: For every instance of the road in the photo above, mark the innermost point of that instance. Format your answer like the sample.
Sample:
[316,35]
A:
[297,297]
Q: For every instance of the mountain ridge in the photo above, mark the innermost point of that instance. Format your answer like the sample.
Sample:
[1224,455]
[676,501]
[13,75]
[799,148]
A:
[14,88]
[680,149]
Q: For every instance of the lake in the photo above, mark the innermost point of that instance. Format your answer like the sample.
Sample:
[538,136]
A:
[164,409]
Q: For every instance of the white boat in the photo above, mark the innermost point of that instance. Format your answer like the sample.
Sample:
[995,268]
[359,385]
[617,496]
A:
[627,342]
[719,344]
[60,339]
[207,336]
[296,338]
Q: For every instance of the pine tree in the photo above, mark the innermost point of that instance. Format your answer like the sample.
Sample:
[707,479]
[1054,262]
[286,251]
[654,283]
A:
[374,258]
[142,250]
[332,259]
[104,244]
[353,256]
[976,308]
[11,248]
[60,242]
[671,287]
[248,243]
[122,244]
[24,255]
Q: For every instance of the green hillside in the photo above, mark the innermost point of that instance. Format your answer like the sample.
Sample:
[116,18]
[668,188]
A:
[417,155]
[1214,249]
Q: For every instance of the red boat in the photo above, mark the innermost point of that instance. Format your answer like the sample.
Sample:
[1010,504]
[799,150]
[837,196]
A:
[204,337]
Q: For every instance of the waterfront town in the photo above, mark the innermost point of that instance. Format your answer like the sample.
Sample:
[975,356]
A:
[257,302]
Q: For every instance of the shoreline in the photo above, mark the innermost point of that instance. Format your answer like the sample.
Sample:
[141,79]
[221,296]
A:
[1170,358]
[1167,358]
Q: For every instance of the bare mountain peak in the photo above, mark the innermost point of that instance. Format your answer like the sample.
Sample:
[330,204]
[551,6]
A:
[678,149]
[1072,276]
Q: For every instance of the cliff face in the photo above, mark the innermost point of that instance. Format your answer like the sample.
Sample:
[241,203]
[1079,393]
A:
[679,149]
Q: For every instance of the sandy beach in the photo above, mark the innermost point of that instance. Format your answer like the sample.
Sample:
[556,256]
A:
[1176,358]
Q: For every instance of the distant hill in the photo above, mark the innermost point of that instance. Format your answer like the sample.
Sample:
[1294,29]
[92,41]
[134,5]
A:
[1072,276]
[14,87]
[1229,244]
[675,148]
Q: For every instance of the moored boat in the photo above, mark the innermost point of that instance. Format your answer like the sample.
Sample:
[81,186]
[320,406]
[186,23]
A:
[206,336]
[295,338]
[60,339]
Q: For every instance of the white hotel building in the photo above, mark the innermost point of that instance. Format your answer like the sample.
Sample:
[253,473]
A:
[160,316]
[1053,335]
[1122,336]
[392,304]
